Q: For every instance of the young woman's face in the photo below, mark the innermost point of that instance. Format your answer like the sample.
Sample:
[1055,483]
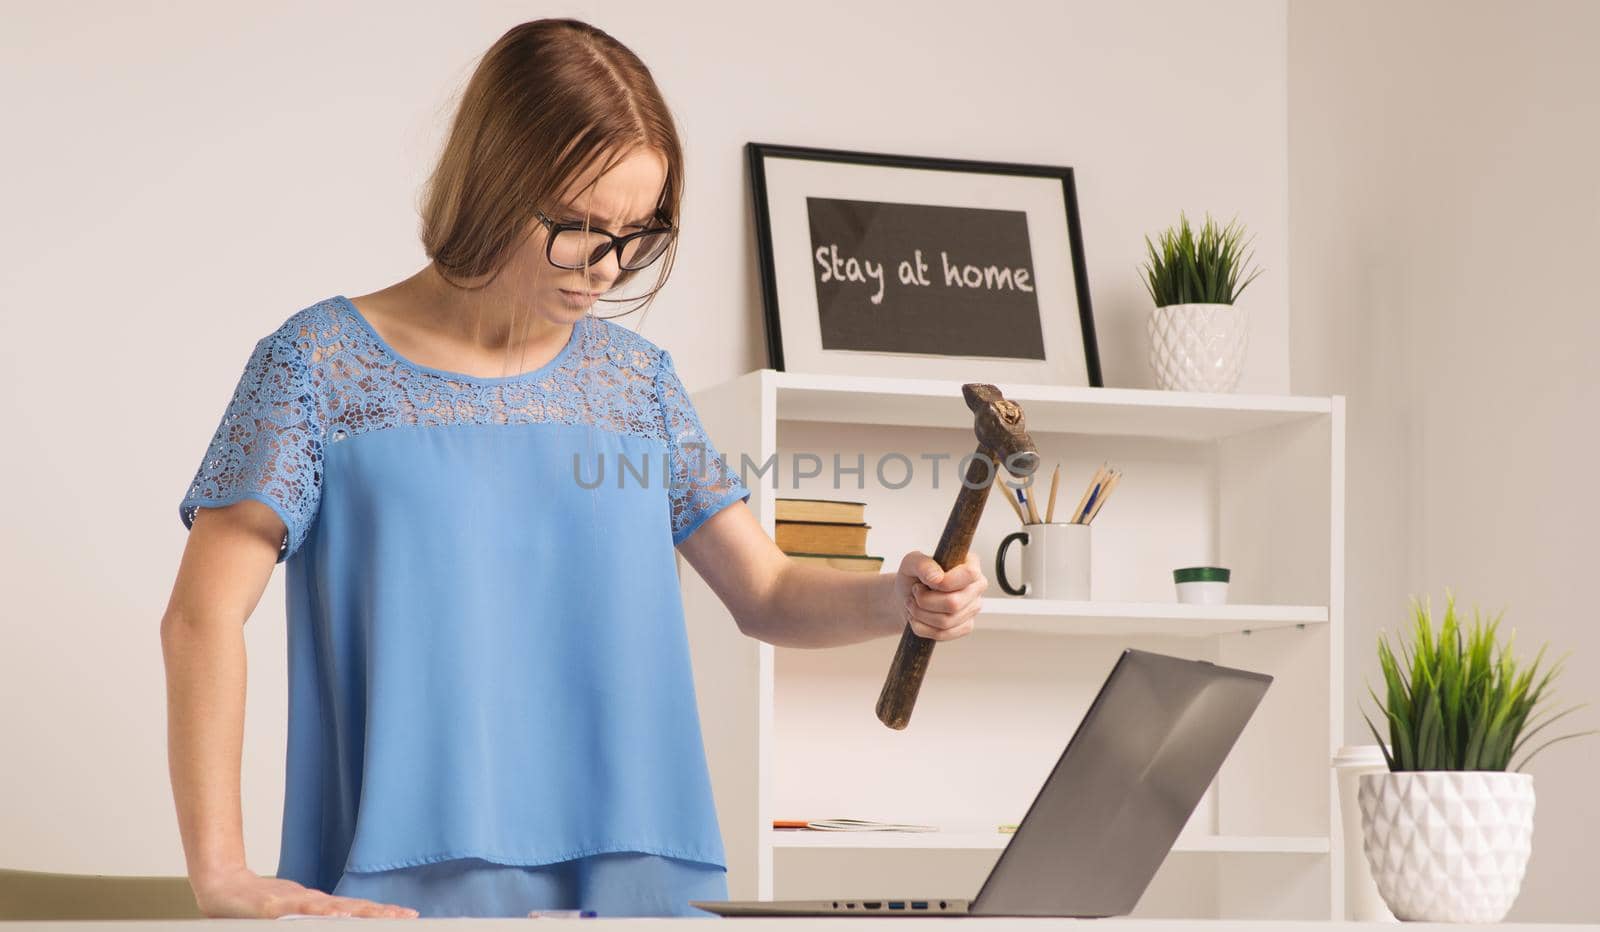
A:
[622,201]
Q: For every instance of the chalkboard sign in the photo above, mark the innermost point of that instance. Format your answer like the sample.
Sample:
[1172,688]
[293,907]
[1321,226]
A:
[895,265]
[919,278]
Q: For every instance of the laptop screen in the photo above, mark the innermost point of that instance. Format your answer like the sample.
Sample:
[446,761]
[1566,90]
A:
[1139,762]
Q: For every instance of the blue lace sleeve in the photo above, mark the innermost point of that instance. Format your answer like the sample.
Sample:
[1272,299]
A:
[702,483]
[268,446]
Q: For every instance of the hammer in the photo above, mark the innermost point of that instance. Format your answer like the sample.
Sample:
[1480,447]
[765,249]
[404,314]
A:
[1003,437]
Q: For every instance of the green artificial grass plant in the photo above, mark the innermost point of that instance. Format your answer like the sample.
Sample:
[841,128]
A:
[1197,267]
[1457,702]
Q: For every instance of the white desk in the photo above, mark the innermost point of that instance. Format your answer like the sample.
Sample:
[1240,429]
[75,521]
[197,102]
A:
[843,924]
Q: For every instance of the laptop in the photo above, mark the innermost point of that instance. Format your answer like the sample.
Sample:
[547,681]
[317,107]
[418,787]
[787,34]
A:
[1108,814]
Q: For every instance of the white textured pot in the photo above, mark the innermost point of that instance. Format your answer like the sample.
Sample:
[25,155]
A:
[1198,347]
[1448,845]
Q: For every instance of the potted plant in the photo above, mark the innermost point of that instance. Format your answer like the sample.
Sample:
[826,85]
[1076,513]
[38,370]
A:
[1448,829]
[1197,334]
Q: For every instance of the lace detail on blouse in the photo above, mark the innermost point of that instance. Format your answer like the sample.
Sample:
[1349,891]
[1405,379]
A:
[268,446]
[325,375]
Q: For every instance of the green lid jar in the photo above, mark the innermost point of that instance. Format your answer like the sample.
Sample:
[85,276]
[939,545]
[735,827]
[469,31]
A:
[1202,585]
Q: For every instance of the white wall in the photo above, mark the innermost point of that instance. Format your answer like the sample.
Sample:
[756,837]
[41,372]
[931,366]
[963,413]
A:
[1445,219]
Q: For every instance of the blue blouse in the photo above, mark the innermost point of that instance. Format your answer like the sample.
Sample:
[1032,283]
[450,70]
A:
[487,650]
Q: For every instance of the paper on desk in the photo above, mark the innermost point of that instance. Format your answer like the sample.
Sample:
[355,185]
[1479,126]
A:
[866,825]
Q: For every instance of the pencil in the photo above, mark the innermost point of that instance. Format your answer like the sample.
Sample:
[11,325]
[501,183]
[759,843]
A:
[1033,513]
[1093,497]
[1050,509]
[1105,493]
[996,484]
[1083,503]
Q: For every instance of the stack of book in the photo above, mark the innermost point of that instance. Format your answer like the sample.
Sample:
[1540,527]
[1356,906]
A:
[815,530]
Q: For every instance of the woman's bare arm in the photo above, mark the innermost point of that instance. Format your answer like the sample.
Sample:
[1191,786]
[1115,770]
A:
[227,561]
[791,604]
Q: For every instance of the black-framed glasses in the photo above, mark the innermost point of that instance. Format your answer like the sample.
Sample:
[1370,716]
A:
[570,246]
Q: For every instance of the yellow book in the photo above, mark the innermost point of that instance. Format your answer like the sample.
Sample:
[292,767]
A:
[842,561]
[819,509]
[821,537]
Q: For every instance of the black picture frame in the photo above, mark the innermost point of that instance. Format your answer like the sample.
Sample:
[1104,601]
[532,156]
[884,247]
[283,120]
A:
[758,155]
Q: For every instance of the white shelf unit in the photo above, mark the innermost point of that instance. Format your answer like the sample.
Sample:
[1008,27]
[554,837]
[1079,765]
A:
[1255,483]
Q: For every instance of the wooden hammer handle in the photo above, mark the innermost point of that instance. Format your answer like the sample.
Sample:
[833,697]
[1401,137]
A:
[911,658]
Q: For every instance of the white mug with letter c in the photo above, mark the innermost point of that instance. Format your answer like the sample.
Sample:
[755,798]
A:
[1055,561]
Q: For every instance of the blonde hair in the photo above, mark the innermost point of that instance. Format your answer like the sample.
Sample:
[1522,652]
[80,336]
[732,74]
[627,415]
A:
[547,101]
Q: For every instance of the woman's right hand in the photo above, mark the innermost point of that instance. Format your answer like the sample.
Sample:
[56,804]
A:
[244,894]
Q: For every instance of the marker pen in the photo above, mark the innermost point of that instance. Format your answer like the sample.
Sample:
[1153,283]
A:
[562,914]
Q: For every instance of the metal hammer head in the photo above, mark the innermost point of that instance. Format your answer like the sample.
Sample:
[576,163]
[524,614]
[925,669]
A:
[1000,428]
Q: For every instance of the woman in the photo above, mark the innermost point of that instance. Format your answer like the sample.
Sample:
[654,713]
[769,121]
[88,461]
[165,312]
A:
[482,720]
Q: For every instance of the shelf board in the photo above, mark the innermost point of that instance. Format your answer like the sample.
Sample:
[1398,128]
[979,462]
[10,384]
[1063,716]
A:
[1048,408]
[1223,844]
[1171,619]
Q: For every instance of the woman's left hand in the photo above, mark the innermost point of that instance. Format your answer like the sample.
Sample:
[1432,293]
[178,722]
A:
[939,605]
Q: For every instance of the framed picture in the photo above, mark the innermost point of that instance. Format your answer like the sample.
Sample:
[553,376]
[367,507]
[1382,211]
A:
[899,265]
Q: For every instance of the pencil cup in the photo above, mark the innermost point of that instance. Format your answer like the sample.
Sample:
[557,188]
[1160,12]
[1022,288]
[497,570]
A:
[1055,561]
